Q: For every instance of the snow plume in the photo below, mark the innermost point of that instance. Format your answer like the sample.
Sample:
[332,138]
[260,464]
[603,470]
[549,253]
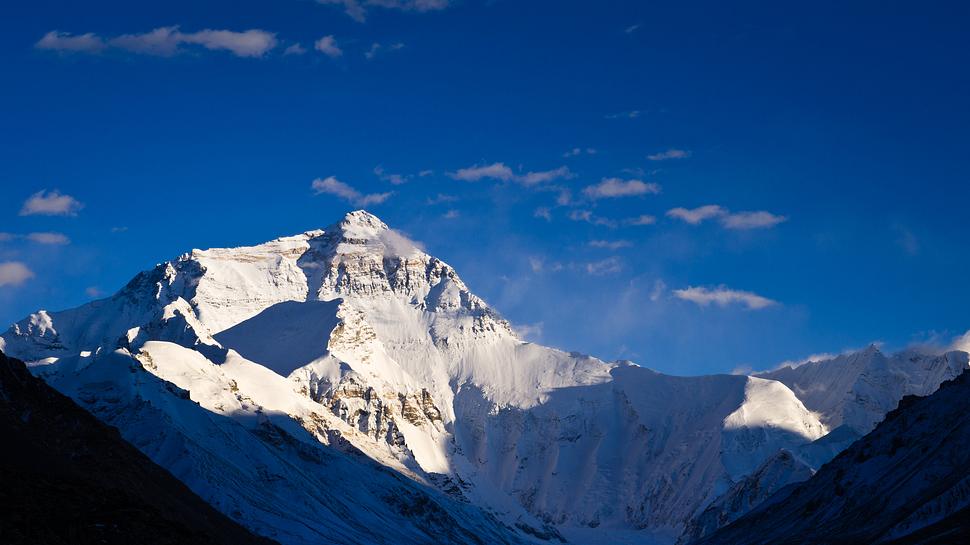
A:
[962,342]
[723,297]
[333,186]
[396,243]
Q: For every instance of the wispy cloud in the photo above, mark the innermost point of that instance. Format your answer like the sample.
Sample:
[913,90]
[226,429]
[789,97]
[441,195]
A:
[579,151]
[52,203]
[722,296]
[295,49]
[632,28]
[451,215]
[906,240]
[616,187]
[328,46]
[610,244]
[164,42]
[631,114]
[48,238]
[589,217]
[669,154]
[441,198]
[14,273]
[543,212]
[334,186]
[528,332]
[610,265]
[357,9]
[376,48]
[642,219]
[394,179]
[93,291]
[737,220]
[533,178]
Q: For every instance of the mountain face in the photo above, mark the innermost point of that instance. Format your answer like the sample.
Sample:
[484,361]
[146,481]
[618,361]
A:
[908,481]
[329,382]
[70,479]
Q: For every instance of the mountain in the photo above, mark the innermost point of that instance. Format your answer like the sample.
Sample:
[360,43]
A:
[70,479]
[256,374]
[908,481]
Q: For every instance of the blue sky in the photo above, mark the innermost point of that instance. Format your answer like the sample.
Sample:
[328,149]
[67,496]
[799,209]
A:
[697,186]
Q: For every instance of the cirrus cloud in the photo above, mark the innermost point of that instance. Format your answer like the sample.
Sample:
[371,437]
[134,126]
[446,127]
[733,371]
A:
[723,296]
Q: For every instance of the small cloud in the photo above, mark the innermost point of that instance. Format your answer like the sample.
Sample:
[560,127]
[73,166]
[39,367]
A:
[536,264]
[752,220]
[697,215]
[616,187]
[50,204]
[441,198]
[579,151]
[632,28]
[643,219]
[722,296]
[334,186]
[451,214]
[495,171]
[659,287]
[93,291]
[357,11]
[669,154]
[738,220]
[610,244]
[533,178]
[48,238]
[543,212]
[14,273]
[328,46]
[528,332]
[588,217]
[395,179]
[610,265]
[426,172]
[120,229]
[68,43]
[376,48]
[295,49]
[631,114]
[564,197]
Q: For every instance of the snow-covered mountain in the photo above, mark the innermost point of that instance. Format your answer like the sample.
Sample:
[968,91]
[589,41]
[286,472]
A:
[908,481]
[289,382]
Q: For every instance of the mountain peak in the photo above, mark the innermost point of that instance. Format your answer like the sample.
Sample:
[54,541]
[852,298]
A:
[360,220]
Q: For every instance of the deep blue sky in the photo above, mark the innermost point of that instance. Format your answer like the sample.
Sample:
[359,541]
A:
[850,120]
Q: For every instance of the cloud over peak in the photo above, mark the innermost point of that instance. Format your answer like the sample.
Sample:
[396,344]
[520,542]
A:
[333,186]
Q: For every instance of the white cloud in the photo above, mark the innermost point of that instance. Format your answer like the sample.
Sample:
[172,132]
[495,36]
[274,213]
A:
[66,42]
[533,178]
[643,219]
[334,186]
[589,217]
[51,203]
[166,41]
[697,215]
[610,244]
[357,9]
[452,214]
[752,220]
[528,332]
[495,171]
[669,154]
[659,287]
[48,238]
[722,296]
[328,46]
[536,264]
[543,212]
[632,28]
[616,187]
[579,151]
[610,265]
[962,342]
[737,220]
[14,273]
[295,49]
[440,198]
[564,197]
[395,179]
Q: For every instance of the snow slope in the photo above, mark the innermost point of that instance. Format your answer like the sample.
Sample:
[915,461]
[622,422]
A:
[369,345]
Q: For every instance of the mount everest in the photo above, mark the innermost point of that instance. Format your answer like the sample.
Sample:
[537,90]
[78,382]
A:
[342,386]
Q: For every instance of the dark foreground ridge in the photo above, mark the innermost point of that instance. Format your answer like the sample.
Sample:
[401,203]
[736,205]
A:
[67,478]
[906,482]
